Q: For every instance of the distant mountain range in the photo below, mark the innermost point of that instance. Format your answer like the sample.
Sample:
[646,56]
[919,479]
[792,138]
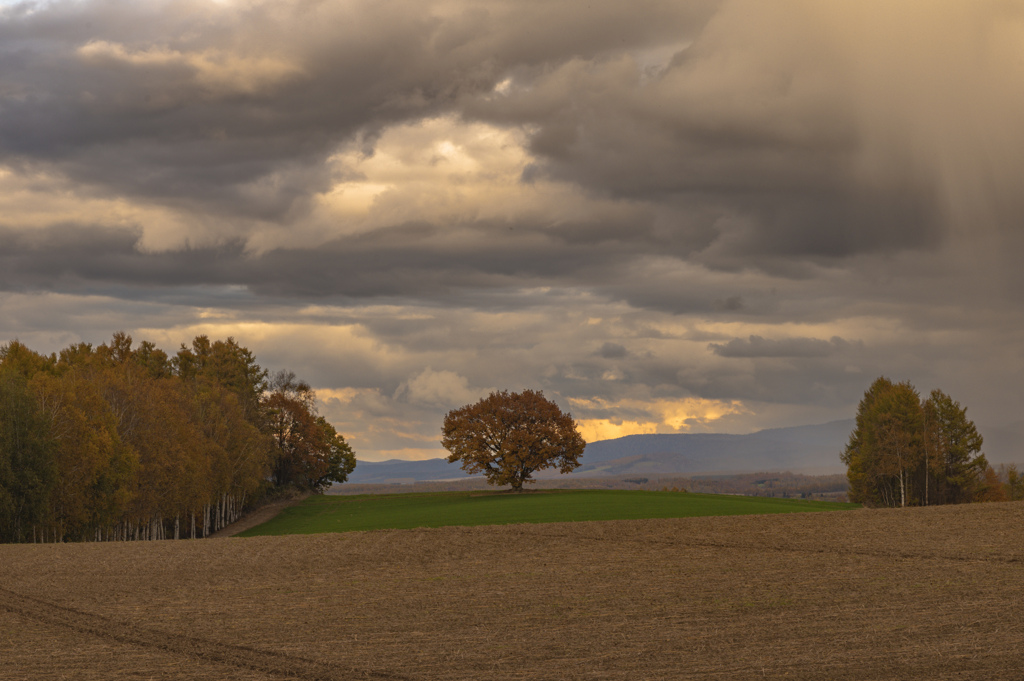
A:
[800,449]
[808,449]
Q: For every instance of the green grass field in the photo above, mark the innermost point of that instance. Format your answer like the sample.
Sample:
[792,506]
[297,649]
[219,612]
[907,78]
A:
[404,511]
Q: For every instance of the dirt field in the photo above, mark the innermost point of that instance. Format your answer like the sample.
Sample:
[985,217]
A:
[934,593]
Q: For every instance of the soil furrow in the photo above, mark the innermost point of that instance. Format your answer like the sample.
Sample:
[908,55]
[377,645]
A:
[931,593]
[896,554]
[243,657]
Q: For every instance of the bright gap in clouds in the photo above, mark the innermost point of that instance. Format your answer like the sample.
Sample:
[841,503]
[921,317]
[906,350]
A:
[657,416]
[439,171]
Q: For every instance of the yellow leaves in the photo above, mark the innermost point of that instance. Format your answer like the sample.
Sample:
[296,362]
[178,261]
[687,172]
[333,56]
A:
[95,467]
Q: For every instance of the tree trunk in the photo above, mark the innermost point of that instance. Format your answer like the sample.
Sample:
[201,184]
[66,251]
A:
[927,461]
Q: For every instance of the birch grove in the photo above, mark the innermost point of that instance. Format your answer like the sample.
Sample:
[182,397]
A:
[123,443]
[909,452]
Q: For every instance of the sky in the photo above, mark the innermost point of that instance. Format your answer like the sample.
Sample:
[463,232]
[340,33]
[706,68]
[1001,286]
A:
[670,216]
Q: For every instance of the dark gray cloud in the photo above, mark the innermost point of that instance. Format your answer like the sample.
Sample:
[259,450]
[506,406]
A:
[77,258]
[411,261]
[744,155]
[613,351]
[744,198]
[236,108]
[756,346]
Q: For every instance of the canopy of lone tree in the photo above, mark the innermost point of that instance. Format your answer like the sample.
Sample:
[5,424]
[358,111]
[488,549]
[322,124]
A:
[507,436]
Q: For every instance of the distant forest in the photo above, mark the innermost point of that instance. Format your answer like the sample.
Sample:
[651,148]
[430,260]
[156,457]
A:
[115,442]
[778,484]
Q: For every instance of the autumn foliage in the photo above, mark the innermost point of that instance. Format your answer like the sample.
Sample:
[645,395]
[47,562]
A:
[309,452]
[123,442]
[508,436]
[905,451]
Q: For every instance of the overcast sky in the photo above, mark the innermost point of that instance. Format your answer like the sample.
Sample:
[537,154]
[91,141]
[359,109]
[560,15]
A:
[668,215]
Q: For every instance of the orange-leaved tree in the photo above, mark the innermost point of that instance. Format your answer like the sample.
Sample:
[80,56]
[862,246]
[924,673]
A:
[507,436]
[310,453]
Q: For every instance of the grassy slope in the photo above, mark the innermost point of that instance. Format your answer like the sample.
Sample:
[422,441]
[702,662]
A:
[401,511]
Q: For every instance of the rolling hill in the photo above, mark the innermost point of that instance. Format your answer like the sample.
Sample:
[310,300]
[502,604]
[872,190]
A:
[811,449]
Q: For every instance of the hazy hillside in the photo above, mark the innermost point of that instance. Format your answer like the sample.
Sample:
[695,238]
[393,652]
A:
[803,448]
[397,470]
[1003,443]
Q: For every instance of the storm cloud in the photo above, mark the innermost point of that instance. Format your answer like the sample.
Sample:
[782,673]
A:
[671,216]
[756,346]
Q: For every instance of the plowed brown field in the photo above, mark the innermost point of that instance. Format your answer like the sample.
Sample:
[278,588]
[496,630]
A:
[933,593]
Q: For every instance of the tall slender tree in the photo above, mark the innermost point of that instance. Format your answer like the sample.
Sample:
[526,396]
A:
[954,446]
[904,452]
[28,470]
[863,468]
[310,453]
[96,468]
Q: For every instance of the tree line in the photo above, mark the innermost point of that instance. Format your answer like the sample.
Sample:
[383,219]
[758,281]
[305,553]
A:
[905,451]
[123,442]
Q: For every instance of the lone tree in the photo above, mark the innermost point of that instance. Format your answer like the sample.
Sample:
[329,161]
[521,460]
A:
[507,436]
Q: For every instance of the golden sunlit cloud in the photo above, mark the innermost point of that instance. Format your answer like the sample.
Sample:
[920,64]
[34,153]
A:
[664,416]
[594,430]
[37,200]
[443,171]
[440,168]
[217,70]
